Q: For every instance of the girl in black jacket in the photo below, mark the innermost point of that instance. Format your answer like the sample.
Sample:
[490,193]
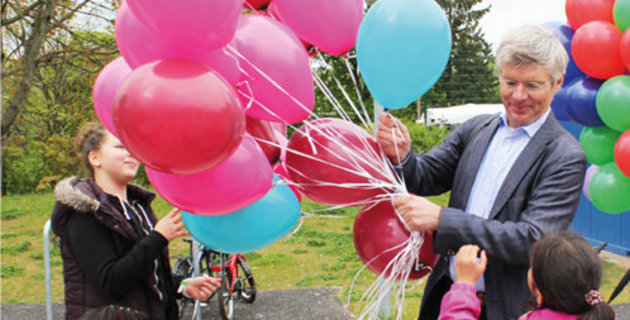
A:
[114,249]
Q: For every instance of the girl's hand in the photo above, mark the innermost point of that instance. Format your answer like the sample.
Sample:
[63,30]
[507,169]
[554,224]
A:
[468,267]
[171,226]
[201,288]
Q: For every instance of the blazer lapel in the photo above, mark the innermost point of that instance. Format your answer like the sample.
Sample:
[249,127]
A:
[471,159]
[523,163]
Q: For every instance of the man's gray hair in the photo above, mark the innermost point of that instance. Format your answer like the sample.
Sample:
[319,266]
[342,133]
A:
[532,44]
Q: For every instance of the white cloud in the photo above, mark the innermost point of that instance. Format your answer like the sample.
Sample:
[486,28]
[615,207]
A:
[507,14]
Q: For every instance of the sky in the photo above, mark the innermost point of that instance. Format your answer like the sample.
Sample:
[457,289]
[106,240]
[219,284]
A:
[508,14]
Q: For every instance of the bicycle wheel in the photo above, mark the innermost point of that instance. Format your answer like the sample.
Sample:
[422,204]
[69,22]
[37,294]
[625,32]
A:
[182,270]
[244,284]
[226,298]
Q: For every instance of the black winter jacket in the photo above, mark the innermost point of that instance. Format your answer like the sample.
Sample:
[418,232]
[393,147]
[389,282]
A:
[106,258]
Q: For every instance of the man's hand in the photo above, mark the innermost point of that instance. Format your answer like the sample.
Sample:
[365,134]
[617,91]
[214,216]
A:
[393,137]
[417,212]
[468,267]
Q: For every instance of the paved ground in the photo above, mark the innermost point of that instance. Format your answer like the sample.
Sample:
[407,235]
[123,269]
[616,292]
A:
[307,304]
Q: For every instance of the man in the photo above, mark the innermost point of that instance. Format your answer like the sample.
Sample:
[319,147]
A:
[512,178]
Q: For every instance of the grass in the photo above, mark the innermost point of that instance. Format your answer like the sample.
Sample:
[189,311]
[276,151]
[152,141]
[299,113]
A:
[320,254]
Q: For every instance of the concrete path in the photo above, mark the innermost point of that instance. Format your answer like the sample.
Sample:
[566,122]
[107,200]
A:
[306,304]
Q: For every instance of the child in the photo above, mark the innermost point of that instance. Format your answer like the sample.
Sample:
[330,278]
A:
[564,276]
[113,248]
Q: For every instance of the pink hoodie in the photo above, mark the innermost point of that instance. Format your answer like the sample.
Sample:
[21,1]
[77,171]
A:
[461,303]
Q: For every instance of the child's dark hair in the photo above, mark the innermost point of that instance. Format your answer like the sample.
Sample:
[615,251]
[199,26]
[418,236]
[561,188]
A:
[114,312]
[89,138]
[568,273]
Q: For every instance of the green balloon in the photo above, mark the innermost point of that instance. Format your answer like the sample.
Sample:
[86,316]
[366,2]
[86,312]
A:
[613,103]
[599,144]
[621,14]
[609,189]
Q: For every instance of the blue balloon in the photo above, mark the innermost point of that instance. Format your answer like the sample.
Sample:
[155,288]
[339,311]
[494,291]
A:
[580,98]
[564,33]
[558,105]
[251,228]
[403,47]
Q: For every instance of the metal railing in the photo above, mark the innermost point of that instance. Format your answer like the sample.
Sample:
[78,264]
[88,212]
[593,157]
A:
[49,303]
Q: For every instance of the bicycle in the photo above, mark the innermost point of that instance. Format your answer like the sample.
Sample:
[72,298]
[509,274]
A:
[235,275]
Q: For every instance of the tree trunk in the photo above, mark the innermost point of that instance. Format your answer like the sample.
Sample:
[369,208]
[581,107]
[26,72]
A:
[40,26]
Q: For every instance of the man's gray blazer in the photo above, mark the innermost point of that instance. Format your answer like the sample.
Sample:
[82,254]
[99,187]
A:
[539,195]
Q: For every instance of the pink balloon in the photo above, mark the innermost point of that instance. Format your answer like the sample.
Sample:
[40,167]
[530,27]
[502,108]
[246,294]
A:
[271,12]
[330,25]
[178,116]
[587,179]
[105,86]
[280,170]
[237,182]
[283,151]
[202,23]
[140,45]
[276,71]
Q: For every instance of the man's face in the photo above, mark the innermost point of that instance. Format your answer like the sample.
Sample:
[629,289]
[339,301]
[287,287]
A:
[526,92]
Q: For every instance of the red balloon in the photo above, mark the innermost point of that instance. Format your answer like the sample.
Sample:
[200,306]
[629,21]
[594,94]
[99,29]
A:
[255,4]
[596,50]
[580,12]
[378,229]
[622,153]
[264,130]
[280,170]
[625,48]
[178,116]
[345,154]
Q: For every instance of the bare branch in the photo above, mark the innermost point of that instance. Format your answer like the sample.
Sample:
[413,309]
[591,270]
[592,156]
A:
[19,13]
[67,16]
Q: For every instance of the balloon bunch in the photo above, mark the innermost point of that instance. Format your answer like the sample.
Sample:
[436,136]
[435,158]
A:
[202,96]
[205,90]
[595,94]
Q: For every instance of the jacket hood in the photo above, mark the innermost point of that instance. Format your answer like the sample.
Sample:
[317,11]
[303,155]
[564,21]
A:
[85,196]
[73,193]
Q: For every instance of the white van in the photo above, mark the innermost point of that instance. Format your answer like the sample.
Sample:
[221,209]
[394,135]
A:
[456,115]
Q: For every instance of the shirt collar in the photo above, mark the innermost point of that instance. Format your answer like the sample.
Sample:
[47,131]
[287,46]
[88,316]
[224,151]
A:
[531,128]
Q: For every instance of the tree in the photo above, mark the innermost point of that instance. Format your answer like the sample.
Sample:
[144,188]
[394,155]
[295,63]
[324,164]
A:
[48,69]
[469,76]
[34,33]
[341,82]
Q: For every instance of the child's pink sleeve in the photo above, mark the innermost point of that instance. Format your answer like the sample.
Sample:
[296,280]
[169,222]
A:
[460,303]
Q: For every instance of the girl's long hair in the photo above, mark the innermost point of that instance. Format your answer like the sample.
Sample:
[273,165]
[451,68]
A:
[565,269]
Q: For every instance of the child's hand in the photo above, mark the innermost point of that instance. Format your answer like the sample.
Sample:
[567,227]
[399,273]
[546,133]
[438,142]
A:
[468,267]
[171,226]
